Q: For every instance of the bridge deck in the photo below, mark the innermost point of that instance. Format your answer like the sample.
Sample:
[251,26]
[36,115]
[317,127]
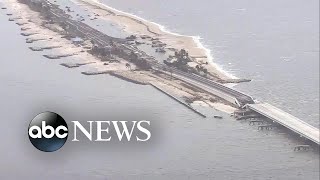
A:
[287,120]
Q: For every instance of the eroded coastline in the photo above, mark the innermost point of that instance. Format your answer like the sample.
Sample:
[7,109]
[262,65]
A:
[133,24]
[55,42]
[180,75]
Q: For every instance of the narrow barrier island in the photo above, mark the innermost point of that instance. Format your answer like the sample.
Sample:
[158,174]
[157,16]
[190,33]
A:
[177,63]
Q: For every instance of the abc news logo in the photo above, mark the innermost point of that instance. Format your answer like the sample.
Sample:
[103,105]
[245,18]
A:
[48,131]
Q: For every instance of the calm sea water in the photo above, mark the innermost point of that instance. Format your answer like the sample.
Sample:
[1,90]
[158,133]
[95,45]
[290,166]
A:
[275,43]
[184,145]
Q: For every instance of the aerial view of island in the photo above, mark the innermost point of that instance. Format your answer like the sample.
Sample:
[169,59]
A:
[232,88]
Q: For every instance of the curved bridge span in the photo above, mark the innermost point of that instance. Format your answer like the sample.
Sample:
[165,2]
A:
[231,95]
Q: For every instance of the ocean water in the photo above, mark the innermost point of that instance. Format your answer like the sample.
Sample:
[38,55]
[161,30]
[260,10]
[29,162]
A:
[184,145]
[274,43]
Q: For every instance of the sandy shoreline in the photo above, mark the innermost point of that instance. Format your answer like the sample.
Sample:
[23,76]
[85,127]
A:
[137,25]
[52,36]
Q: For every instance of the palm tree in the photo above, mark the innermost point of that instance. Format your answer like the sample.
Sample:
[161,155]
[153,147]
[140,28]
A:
[205,71]
[128,66]
[198,67]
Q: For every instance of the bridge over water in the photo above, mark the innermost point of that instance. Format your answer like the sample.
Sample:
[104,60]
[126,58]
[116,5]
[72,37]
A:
[275,114]
[245,101]
[231,95]
[287,120]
